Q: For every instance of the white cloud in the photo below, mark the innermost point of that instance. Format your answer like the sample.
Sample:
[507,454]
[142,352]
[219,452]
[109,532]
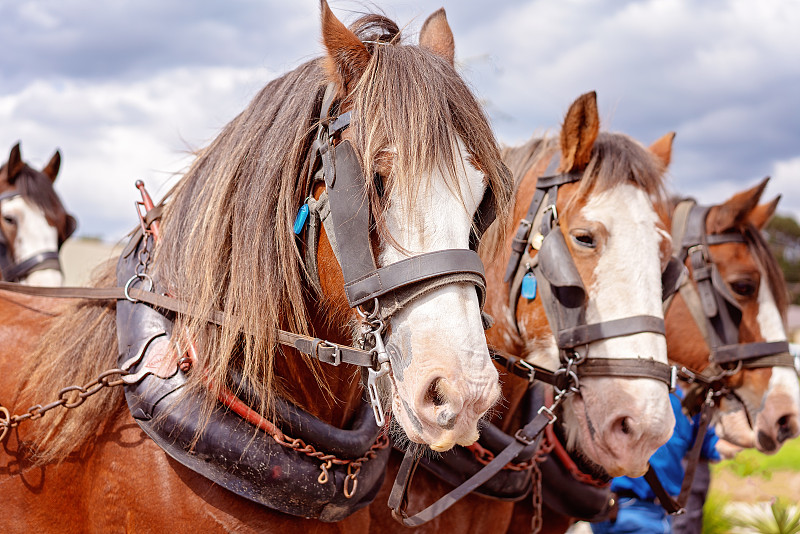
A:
[112,133]
[786,181]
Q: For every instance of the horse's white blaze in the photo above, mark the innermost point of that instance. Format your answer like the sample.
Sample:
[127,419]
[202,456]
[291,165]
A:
[626,282]
[443,375]
[34,236]
[783,393]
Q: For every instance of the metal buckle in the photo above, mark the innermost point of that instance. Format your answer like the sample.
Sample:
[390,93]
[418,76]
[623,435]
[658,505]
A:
[522,438]
[528,367]
[549,413]
[673,378]
[337,352]
[699,247]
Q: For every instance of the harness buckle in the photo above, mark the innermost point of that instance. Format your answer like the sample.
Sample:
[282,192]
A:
[548,412]
[528,367]
[336,357]
[673,378]
[522,438]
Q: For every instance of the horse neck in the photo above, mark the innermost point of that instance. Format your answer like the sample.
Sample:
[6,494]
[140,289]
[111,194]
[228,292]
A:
[336,397]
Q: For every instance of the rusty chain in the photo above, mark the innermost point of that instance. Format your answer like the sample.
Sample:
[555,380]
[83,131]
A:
[536,521]
[65,400]
[485,456]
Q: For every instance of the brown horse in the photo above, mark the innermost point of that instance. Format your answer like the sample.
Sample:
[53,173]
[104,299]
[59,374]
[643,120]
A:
[762,408]
[618,242]
[427,158]
[34,223]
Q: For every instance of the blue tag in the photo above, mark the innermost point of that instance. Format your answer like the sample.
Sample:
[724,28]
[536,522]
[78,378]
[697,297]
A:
[300,220]
[529,286]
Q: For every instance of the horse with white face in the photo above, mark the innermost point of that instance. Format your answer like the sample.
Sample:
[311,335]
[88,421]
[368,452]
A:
[617,238]
[34,223]
[762,403]
[615,246]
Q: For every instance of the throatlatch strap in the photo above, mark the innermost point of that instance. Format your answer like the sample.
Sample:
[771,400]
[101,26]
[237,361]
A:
[528,436]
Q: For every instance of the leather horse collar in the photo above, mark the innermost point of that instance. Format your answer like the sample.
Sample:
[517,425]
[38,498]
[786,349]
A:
[282,473]
[12,271]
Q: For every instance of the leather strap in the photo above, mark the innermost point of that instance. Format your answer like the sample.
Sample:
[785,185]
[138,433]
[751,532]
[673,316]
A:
[677,506]
[528,436]
[413,270]
[324,351]
[584,334]
[627,368]
[37,262]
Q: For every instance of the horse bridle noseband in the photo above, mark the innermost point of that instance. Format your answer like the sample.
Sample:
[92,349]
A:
[13,271]
[564,297]
[344,210]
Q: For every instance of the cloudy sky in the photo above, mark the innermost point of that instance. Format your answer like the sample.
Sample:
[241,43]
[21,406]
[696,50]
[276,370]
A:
[126,88]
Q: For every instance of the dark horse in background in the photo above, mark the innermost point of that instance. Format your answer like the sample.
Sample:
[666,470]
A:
[33,222]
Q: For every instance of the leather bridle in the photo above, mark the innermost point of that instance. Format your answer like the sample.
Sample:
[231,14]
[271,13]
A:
[563,295]
[14,271]
[345,212]
[564,298]
[718,316]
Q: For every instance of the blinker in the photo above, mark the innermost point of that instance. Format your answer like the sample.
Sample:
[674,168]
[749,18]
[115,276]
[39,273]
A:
[300,220]
[528,289]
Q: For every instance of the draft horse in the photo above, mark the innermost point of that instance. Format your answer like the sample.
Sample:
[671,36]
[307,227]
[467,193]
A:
[34,223]
[576,290]
[326,229]
[731,353]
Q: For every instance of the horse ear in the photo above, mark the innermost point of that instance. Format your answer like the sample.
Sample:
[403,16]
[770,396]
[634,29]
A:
[437,36]
[734,212]
[662,148]
[53,167]
[579,132]
[762,213]
[347,56]
[15,164]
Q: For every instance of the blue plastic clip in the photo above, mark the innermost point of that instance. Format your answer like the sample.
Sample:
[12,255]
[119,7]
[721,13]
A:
[529,286]
[300,220]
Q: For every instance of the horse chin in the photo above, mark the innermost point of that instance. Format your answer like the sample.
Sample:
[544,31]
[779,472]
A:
[437,439]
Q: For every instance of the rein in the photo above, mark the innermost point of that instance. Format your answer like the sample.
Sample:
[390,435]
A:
[13,271]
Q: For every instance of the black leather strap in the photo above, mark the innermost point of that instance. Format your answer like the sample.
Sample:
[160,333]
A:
[583,334]
[411,271]
[529,435]
[678,505]
[37,262]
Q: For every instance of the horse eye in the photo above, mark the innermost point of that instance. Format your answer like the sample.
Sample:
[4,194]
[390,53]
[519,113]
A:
[584,239]
[744,288]
[10,220]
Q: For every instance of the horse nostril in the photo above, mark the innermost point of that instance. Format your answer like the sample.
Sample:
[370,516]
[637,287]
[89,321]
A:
[625,426]
[433,395]
[786,429]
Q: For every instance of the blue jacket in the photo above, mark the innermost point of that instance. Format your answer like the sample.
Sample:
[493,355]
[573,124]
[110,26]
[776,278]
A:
[666,461]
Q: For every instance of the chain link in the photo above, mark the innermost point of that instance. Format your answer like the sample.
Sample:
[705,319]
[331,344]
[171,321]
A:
[67,398]
[536,497]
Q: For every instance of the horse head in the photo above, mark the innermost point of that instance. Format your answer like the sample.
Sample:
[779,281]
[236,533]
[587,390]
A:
[731,327]
[601,247]
[430,160]
[34,223]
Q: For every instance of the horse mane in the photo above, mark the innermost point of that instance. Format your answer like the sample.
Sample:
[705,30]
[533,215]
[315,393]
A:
[37,189]
[226,234]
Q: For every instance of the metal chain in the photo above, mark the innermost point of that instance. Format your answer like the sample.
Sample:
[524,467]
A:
[37,411]
[536,521]
[485,456]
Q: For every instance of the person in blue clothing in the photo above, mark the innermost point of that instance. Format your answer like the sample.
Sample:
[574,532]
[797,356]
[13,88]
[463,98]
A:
[638,510]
